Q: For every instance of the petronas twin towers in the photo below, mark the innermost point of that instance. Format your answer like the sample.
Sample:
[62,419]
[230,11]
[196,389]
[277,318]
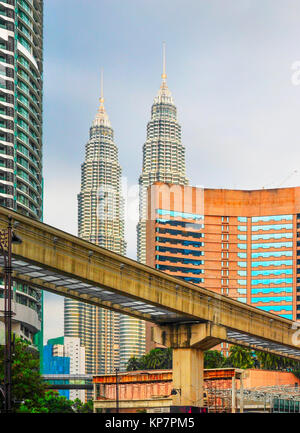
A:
[110,338]
[163,155]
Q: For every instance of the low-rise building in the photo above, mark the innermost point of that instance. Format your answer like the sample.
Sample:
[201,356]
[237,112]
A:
[225,390]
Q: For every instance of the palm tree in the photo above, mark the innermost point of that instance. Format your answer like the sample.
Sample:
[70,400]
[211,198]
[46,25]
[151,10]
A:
[241,357]
[155,359]
[213,359]
[168,358]
[133,364]
[274,362]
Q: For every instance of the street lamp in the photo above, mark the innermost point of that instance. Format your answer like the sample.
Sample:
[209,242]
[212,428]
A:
[7,237]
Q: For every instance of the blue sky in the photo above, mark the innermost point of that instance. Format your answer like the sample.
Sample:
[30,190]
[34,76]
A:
[229,67]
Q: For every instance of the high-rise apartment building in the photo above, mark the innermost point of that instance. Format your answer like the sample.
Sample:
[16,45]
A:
[242,244]
[21,182]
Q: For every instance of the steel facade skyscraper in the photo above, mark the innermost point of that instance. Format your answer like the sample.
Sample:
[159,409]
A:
[163,160]
[109,338]
[163,154]
[100,220]
[21,182]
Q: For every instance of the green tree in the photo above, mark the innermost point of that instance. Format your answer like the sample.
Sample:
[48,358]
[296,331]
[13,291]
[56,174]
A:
[80,407]
[29,391]
[270,361]
[27,383]
[155,359]
[267,360]
[296,373]
[50,402]
[133,364]
[213,359]
[240,357]
[168,358]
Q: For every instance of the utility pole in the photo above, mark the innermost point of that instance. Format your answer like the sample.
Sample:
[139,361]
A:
[5,245]
[117,391]
[7,237]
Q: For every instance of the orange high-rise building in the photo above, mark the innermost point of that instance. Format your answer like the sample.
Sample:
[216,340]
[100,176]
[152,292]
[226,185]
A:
[239,243]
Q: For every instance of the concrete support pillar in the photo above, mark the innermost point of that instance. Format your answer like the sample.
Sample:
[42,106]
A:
[188,377]
[188,341]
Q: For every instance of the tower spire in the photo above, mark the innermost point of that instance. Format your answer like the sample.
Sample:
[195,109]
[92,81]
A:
[164,94]
[101,115]
[164,75]
[101,88]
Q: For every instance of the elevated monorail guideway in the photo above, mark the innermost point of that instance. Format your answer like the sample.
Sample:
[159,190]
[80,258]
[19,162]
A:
[66,265]
[190,319]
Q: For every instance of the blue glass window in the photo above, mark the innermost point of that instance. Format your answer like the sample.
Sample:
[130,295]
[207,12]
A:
[272,272]
[276,307]
[242,237]
[242,300]
[272,227]
[272,218]
[242,273]
[242,219]
[193,243]
[272,254]
[242,228]
[272,263]
[184,251]
[242,282]
[242,291]
[272,236]
[179,269]
[286,316]
[179,232]
[242,264]
[273,245]
[193,280]
[242,246]
[179,260]
[269,281]
[180,224]
[242,255]
[180,214]
[272,299]
[179,241]
[272,290]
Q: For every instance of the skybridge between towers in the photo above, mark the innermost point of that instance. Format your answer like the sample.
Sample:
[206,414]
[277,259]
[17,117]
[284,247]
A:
[189,318]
